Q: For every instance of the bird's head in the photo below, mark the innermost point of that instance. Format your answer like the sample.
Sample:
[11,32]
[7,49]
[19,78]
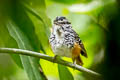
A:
[60,20]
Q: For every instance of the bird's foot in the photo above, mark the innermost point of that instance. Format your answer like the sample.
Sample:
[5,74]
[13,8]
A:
[54,58]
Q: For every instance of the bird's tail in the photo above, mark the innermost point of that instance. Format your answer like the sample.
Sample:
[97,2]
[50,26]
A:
[79,61]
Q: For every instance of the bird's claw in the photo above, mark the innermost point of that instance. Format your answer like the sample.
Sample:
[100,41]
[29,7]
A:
[54,58]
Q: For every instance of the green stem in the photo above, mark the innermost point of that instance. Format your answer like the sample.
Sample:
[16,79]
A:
[49,58]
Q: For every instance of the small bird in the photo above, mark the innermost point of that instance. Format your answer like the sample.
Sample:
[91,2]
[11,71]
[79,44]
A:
[65,41]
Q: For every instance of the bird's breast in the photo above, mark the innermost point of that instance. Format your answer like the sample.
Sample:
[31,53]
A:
[62,50]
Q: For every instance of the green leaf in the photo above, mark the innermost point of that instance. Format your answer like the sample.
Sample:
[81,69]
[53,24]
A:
[7,41]
[64,73]
[29,63]
[37,9]
[25,24]
[5,38]
[22,30]
[41,21]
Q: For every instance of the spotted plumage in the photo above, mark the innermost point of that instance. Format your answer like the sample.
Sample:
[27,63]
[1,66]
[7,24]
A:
[65,41]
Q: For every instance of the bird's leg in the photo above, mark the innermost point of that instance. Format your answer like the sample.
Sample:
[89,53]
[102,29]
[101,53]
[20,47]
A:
[74,62]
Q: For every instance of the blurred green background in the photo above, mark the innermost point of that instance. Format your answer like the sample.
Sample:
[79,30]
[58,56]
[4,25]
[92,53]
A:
[26,24]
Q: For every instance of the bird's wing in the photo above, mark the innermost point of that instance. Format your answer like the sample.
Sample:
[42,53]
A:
[77,38]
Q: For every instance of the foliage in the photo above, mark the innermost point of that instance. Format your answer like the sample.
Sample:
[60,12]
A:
[26,24]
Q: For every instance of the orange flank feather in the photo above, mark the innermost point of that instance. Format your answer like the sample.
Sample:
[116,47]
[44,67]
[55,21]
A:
[76,50]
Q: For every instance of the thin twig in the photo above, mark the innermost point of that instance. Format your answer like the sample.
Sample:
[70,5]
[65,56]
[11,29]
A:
[48,58]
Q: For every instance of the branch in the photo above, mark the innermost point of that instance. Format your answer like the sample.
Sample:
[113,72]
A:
[49,58]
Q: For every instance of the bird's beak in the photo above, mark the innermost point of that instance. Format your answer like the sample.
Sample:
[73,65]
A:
[55,22]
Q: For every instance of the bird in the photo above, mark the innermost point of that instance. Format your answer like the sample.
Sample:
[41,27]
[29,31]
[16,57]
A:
[65,42]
